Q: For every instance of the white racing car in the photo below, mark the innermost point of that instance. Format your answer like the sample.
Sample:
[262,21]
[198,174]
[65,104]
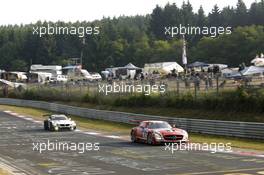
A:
[57,122]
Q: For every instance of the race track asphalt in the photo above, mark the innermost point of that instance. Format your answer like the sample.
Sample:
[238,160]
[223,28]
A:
[115,156]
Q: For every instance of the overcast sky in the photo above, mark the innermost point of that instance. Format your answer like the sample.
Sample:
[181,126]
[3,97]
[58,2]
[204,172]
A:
[27,11]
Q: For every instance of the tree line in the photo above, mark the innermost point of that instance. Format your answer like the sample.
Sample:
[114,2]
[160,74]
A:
[140,39]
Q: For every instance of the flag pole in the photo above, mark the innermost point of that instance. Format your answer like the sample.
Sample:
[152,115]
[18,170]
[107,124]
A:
[184,55]
[83,43]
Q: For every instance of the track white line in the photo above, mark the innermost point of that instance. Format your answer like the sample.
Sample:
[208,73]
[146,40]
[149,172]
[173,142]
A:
[77,130]
[122,138]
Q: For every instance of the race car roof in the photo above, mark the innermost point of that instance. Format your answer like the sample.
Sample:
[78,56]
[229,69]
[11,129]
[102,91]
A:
[58,115]
[154,121]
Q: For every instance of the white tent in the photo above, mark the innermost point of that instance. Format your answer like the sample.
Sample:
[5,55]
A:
[229,72]
[252,70]
[163,67]
[258,61]
[131,66]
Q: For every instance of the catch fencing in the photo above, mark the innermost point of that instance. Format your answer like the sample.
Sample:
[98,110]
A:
[216,127]
[198,87]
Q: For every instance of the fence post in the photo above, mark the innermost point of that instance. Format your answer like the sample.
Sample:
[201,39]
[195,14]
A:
[195,90]
[178,86]
[217,84]
[88,88]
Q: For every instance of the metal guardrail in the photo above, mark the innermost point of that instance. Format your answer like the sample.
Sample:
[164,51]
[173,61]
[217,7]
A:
[216,127]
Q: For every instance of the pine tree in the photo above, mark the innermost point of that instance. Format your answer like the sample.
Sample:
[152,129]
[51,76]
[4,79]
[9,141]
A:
[187,14]
[241,16]
[201,18]
[228,16]
[156,22]
[214,17]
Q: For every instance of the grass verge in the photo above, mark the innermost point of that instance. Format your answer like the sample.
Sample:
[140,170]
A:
[4,172]
[120,128]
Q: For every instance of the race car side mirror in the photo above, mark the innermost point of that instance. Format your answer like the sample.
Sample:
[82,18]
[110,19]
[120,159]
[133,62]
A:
[174,126]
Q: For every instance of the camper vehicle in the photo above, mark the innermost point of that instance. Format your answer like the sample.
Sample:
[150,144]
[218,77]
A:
[39,77]
[53,69]
[76,73]
[14,76]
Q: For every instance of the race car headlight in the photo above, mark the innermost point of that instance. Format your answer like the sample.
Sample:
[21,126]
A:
[185,136]
[157,136]
[54,124]
[73,123]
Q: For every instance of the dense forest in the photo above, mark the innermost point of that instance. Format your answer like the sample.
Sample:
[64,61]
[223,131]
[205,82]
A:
[140,39]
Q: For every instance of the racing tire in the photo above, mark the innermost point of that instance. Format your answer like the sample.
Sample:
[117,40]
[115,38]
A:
[56,128]
[72,128]
[133,137]
[150,139]
[46,125]
[53,128]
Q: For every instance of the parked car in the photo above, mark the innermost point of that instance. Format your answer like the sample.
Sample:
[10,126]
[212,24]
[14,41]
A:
[59,78]
[96,76]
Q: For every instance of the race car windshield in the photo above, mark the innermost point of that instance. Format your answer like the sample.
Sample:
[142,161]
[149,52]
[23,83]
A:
[159,125]
[58,118]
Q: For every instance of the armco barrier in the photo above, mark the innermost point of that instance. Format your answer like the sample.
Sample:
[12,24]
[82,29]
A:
[216,127]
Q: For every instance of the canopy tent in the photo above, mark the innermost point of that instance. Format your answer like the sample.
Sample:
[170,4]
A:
[258,60]
[252,70]
[163,67]
[131,66]
[129,70]
[221,66]
[198,64]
